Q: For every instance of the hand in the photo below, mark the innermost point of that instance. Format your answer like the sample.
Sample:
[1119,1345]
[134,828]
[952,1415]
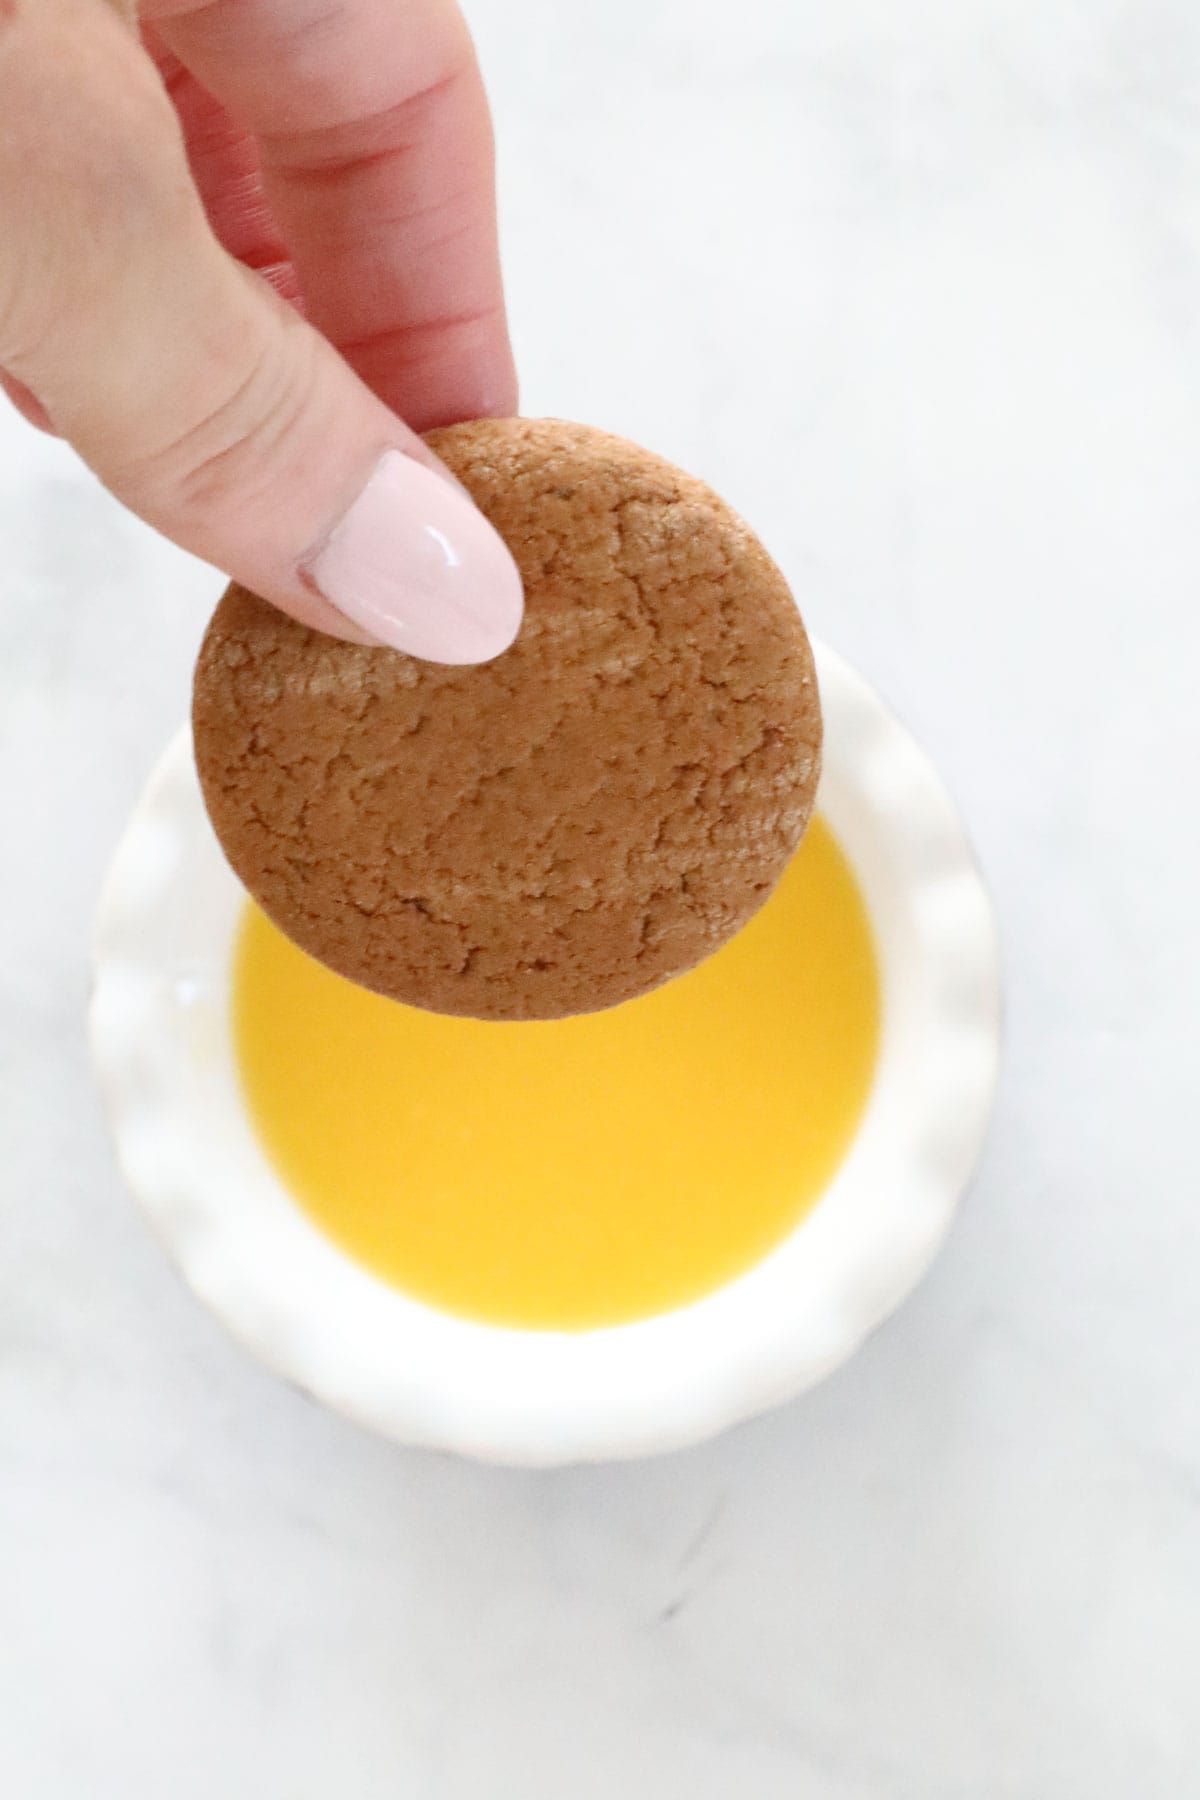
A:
[234,254]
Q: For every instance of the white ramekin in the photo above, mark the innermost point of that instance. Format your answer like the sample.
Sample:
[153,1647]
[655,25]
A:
[160,1032]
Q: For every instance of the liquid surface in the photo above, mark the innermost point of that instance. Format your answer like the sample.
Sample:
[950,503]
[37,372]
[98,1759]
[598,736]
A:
[582,1172]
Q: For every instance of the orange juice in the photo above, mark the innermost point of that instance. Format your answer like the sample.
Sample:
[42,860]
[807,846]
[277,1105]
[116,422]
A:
[581,1172]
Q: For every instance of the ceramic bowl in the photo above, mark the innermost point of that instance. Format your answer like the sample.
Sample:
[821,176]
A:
[161,1039]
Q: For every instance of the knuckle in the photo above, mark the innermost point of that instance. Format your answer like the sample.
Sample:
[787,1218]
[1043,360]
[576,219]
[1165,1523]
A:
[228,452]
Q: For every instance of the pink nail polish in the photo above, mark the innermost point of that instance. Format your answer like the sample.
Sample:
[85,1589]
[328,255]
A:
[414,563]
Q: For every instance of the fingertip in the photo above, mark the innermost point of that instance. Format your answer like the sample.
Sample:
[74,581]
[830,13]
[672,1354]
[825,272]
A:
[414,563]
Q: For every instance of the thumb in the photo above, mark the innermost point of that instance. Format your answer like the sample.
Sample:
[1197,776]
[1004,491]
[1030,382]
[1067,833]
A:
[199,398]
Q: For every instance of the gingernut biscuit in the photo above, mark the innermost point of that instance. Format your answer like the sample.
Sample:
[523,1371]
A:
[565,827]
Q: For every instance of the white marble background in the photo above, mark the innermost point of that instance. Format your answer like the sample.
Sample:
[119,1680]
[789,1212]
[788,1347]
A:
[917,283]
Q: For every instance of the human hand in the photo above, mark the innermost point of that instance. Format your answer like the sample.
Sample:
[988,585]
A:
[235,254]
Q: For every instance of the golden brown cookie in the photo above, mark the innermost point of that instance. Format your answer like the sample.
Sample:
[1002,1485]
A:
[561,829]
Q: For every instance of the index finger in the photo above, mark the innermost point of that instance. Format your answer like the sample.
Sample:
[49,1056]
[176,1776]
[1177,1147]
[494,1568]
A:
[376,150]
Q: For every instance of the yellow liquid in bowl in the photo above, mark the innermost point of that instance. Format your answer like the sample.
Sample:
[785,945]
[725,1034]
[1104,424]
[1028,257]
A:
[587,1171]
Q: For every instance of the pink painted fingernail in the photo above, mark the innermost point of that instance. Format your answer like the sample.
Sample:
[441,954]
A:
[417,565]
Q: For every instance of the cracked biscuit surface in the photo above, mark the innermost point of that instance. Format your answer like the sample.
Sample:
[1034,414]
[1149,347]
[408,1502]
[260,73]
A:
[561,829]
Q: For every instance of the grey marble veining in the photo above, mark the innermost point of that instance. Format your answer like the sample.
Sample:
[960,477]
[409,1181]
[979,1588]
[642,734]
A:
[918,287]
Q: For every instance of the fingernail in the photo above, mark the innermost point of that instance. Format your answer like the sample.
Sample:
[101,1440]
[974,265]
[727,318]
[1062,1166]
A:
[415,563]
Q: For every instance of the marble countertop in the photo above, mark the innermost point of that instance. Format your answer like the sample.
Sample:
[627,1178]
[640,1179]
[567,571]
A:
[918,287]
